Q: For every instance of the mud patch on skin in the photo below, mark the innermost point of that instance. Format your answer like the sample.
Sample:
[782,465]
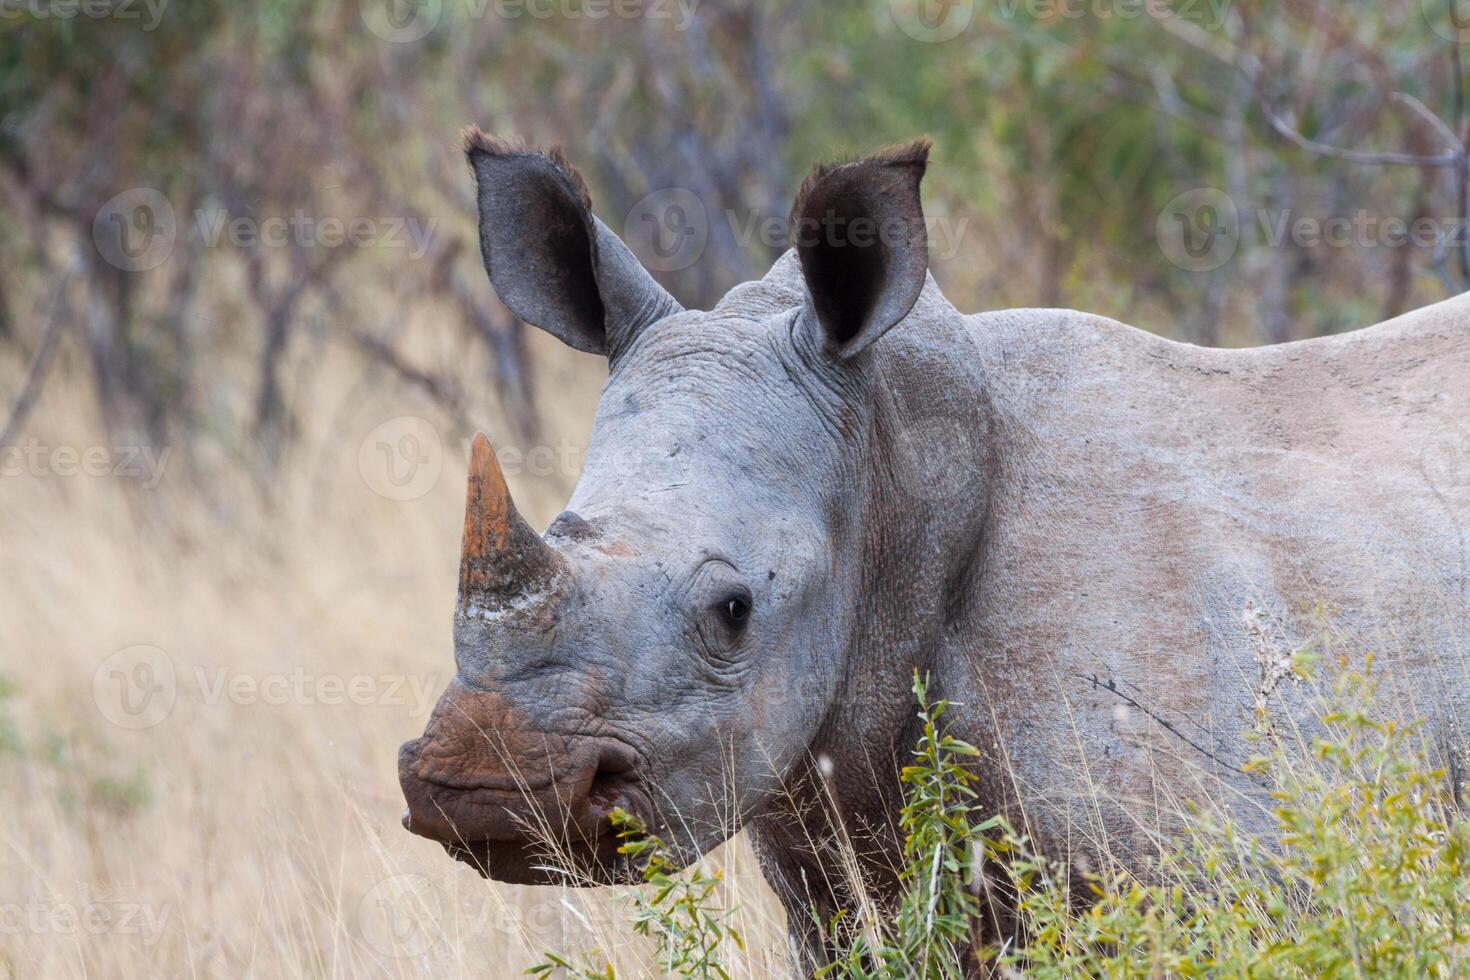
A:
[1274,659]
[517,802]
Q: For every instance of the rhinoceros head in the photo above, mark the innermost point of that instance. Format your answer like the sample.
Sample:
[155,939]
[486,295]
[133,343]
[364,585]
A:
[673,642]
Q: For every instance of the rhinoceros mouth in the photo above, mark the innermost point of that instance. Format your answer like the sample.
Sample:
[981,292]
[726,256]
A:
[576,864]
[560,838]
[575,856]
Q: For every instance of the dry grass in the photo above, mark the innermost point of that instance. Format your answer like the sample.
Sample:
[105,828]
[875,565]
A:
[256,832]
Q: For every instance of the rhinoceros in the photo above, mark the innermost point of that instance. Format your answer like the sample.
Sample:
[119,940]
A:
[1102,545]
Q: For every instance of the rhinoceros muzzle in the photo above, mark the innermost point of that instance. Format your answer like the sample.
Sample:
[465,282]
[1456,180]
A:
[520,803]
[520,806]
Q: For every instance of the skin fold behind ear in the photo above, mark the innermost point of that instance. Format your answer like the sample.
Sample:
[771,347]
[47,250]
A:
[858,229]
[550,260]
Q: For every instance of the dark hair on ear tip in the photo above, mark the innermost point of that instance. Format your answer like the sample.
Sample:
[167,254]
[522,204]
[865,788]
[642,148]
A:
[477,142]
[914,153]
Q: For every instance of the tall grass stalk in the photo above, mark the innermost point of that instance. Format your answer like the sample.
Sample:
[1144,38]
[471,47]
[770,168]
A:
[677,911]
[1366,872]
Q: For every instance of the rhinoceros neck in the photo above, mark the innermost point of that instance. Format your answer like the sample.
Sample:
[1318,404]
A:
[974,420]
[924,461]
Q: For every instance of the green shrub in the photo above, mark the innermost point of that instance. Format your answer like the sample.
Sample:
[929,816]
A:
[1367,879]
[1365,876]
[677,911]
[932,934]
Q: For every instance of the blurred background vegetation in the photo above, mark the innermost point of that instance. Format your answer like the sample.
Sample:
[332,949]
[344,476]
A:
[1175,164]
[1063,129]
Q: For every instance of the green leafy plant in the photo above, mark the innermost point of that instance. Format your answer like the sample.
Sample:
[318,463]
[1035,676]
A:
[1366,876]
[1367,873]
[942,843]
[680,913]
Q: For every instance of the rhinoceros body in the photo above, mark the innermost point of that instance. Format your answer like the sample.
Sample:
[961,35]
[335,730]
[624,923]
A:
[1147,530]
[1103,545]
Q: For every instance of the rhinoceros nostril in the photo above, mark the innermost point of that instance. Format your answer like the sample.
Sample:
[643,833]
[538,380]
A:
[615,758]
[609,792]
[613,780]
[572,525]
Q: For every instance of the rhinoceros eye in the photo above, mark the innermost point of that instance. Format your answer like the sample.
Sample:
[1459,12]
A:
[735,610]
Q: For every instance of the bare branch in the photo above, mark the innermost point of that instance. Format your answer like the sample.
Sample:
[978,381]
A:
[1424,112]
[30,389]
[444,390]
[1447,159]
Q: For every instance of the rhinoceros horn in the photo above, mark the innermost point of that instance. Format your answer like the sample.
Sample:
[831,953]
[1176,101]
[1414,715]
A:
[501,557]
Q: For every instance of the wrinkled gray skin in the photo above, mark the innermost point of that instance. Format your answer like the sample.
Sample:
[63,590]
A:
[1065,520]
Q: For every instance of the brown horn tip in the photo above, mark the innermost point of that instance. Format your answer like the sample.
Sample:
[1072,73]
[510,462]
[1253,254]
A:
[500,555]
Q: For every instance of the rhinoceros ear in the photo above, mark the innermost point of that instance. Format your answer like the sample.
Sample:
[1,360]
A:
[550,260]
[858,229]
